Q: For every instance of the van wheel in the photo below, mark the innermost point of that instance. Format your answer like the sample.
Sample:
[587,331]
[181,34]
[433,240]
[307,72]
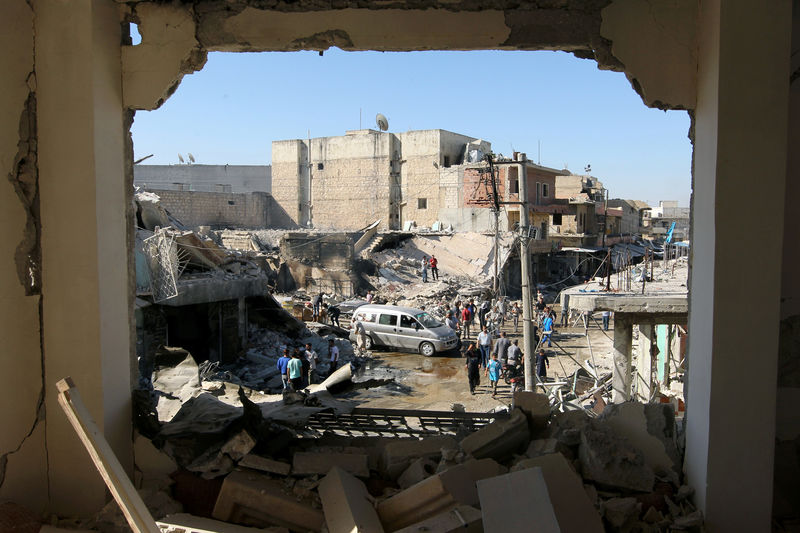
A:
[427,349]
[368,345]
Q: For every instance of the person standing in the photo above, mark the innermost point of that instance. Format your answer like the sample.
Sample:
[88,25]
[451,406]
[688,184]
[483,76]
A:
[434,267]
[564,315]
[316,302]
[501,347]
[501,310]
[547,327]
[283,366]
[424,266]
[466,319]
[493,371]
[312,358]
[484,345]
[361,337]
[333,351]
[370,296]
[482,312]
[515,312]
[514,354]
[606,319]
[541,361]
[473,367]
[295,367]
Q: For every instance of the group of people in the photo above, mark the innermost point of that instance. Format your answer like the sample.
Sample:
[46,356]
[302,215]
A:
[429,263]
[321,311]
[461,318]
[299,369]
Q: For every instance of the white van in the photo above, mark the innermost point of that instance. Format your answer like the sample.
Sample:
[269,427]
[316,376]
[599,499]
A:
[403,327]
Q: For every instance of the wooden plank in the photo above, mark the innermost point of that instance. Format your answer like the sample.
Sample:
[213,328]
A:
[115,477]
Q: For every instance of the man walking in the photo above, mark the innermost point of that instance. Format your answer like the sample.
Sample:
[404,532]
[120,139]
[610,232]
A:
[493,371]
[466,319]
[484,345]
[541,361]
[547,327]
[501,347]
[434,267]
[283,368]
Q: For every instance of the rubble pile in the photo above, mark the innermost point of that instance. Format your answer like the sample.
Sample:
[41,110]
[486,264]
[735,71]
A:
[565,471]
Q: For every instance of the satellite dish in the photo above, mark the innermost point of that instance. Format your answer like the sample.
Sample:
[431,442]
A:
[382,122]
[180,158]
[191,157]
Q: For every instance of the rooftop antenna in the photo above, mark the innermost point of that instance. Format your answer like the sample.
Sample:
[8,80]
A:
[180,158]
[191,157]
[382,122]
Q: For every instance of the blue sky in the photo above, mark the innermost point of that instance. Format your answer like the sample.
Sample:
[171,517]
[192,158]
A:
[232,110]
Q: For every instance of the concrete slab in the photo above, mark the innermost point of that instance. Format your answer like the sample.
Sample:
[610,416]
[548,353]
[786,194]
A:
[397,456]
[251,499]
[264,464]
[500,439]
[669,304]
[347,504]
[573,509]
[417,471]
[535,406]
[517,502]
[462,519]
[306,463]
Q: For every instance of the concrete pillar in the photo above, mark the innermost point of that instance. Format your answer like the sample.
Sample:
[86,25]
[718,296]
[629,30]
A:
[85,265]
[623,338]
[644,368]
[740,158]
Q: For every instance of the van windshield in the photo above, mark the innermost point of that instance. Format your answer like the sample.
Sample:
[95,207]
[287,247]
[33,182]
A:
[428,321]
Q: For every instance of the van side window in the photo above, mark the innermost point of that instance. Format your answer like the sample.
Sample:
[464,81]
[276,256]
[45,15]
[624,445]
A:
[388,320]
[407,321]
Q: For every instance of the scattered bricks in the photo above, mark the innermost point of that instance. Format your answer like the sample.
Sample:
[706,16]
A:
[264,464]
[305,463]
[428,498]
[573,509]
[346,504]
[611,461]
[535,407]
[399,454]
[500,439]
[651,429]
[620,511]
[416,472]
[255,500]
[517,502]
[462,519]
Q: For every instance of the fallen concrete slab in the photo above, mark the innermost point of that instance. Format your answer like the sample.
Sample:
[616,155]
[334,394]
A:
[500,439]
[265,464]
[306,463]
[255,500]
[611,461]
[461,519]
[517,502]
[418,470]
[186,523]
[397,456]
[347,504]
[428,498]
[535,407]
[574,511]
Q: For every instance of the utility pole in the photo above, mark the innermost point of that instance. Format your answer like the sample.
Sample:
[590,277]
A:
[525,264]
[496,208]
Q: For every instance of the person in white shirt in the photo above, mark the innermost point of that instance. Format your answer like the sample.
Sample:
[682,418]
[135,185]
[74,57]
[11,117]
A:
[333,350]
[312,358]
[485,345]
[361,337]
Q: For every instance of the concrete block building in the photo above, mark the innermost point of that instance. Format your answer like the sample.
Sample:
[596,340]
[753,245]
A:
[348,182]
[204,178]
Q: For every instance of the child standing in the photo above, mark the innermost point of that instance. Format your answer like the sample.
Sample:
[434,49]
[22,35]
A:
[493,370]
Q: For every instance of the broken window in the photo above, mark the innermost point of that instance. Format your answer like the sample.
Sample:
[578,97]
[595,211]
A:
[422,203]
[557,219]
[544,190]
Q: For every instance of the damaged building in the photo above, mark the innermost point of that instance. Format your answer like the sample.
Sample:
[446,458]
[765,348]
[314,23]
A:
[73,81]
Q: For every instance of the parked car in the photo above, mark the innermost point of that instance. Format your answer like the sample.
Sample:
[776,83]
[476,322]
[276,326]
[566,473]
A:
[403,327]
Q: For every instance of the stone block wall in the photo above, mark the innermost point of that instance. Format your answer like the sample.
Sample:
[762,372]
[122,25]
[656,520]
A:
[225,210]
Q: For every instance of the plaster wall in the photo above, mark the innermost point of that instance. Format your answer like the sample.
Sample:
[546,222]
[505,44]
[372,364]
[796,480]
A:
[22,439]
[205,178]
[286,172]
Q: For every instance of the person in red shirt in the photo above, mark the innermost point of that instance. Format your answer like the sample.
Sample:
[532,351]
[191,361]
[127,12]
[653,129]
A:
[434,268]
[466,319]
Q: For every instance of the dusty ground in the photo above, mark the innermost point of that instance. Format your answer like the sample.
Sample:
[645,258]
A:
[438,382]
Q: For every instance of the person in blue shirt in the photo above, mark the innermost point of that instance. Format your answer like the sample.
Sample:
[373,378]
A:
[283,368]
[493,370]
[547,327]
[295,368]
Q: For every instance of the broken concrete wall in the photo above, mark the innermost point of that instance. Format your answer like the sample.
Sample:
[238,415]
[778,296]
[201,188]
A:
[22,443]
[218,209]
